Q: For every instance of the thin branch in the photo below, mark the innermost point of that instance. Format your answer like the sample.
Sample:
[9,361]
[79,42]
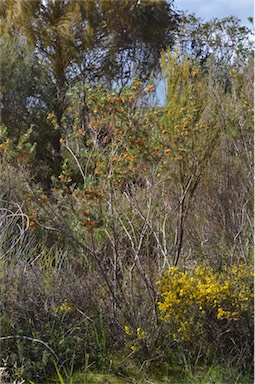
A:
[33,340]
[77,162]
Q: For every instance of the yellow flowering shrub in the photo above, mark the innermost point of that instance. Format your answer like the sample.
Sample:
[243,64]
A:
[195,303]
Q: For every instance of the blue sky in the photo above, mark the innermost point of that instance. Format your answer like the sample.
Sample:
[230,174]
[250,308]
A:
[208,9]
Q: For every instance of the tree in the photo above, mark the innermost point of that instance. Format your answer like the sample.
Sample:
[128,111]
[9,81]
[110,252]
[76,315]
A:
[225,40]
[26,98]
[90,40]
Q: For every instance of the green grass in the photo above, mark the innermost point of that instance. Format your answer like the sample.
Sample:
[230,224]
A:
[159,375]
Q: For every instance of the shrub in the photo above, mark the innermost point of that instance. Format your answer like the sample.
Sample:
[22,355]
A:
[206,309]
[51,315]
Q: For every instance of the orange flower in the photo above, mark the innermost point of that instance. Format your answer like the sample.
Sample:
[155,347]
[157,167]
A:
[32,224]
[149,88]
[186,123]
[4,146]
[89,224]
[97,171]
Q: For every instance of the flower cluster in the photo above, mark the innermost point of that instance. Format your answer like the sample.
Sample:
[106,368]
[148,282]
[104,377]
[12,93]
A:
[191,299]
[64,307]
[136,337]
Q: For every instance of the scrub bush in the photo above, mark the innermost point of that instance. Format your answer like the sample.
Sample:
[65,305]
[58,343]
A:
[212,310]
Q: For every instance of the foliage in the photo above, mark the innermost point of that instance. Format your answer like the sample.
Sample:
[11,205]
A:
[66,33]
[66,320]
[206,307]
[224,40]
[108,142]
[139,190]
[72,41]
[26,96]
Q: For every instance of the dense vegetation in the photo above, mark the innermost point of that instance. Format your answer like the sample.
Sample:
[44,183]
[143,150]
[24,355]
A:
[126,228]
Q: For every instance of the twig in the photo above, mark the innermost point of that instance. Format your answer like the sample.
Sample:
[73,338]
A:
[31,339]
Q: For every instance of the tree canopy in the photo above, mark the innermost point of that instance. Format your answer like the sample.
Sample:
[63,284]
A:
[98,38]
[87,41]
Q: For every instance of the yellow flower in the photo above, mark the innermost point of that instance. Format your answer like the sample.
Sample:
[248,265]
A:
[233,72]
[226,295]
[140,334]
[127,330]
[64,307]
